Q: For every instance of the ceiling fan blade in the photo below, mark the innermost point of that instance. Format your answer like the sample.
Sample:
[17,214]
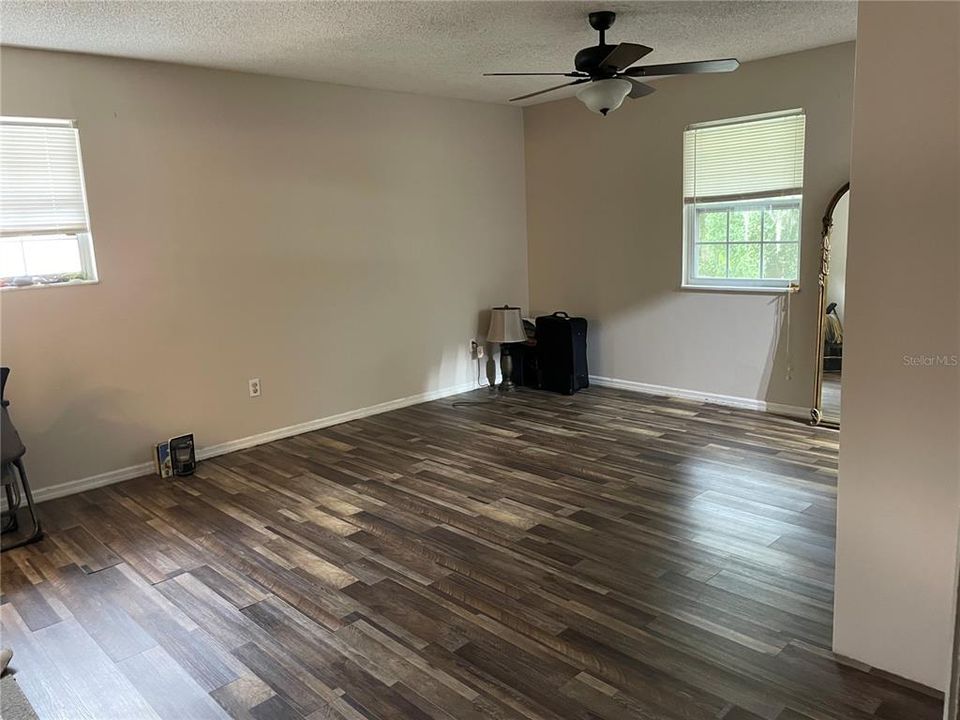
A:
[684,68]
[565,74]
[639,89]
[624,55]
[551,89]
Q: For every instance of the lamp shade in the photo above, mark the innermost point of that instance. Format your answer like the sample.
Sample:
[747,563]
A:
[602,96]
[506,325]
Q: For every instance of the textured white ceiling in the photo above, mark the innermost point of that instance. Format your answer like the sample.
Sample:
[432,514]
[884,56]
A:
[436,48]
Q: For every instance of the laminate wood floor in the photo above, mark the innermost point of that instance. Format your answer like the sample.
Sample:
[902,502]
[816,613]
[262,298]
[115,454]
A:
[607,555]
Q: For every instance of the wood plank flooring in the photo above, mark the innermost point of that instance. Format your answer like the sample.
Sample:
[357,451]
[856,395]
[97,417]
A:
[607,555]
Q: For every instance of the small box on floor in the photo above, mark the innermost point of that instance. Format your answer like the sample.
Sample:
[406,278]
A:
[161,459]
[182,454]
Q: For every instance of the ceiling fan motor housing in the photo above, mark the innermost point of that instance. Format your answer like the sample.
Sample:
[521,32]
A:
[588,60]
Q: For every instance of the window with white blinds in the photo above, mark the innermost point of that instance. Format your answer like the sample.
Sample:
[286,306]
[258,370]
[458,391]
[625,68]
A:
[742,194]
[44,231]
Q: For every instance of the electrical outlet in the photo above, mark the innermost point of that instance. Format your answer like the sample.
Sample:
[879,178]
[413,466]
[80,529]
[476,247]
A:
[476,350]
[254,387]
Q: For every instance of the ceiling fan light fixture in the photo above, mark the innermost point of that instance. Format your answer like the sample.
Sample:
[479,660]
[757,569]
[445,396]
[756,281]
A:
[603,96]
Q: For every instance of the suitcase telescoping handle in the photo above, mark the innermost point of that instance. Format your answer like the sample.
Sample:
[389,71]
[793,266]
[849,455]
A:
[561,313]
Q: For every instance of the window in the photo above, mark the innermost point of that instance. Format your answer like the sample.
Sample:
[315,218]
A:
[44,230]
[742,193]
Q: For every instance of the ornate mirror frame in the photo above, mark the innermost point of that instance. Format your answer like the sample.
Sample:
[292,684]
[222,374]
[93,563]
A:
[816,410]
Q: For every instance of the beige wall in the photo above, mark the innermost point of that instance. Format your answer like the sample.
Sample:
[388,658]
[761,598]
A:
[604,226]
[899,464]
[337,243]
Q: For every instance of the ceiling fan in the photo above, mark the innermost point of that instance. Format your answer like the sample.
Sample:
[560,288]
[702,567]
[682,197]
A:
[606,70]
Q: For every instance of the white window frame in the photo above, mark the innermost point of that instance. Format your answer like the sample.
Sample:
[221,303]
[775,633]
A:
[691,242]
[788,197]
[83,238]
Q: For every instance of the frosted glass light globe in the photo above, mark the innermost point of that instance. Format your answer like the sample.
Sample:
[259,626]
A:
[602,96]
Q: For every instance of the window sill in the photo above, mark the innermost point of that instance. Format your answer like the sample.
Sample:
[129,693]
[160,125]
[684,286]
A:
[756,290]
[36,286]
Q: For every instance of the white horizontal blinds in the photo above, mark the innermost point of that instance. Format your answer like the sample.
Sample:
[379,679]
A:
[749,158]
[41,184]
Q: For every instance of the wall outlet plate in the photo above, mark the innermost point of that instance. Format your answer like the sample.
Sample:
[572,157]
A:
[254,387]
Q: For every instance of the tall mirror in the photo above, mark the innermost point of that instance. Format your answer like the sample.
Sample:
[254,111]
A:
[832,287]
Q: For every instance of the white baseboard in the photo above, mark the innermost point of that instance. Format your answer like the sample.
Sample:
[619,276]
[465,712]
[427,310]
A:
[728,400]
[133,471]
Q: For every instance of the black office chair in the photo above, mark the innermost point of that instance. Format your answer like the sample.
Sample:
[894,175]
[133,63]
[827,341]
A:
[14,476]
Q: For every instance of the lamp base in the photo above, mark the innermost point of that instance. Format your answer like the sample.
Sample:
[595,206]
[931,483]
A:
[506,384]
[506,369]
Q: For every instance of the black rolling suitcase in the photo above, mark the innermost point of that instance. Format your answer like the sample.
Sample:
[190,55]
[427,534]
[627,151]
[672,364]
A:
[562,353]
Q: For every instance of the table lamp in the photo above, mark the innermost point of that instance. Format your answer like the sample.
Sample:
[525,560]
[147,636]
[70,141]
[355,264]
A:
[506,326]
